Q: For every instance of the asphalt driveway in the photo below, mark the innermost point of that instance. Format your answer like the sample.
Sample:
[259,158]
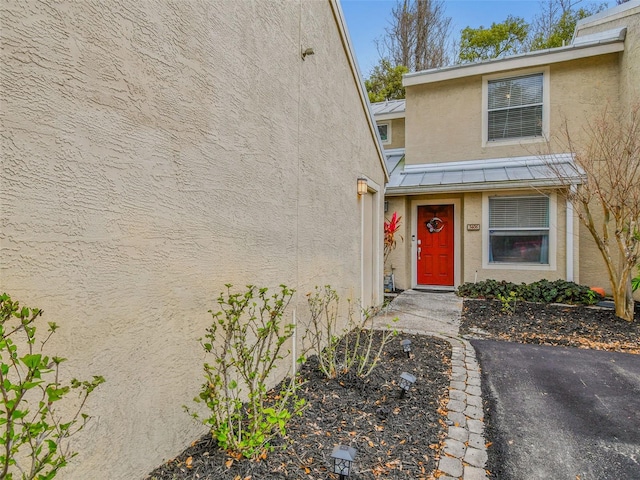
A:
[561,413]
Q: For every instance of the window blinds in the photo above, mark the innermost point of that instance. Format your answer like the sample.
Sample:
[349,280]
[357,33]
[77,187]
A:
[519,212]
[515,107]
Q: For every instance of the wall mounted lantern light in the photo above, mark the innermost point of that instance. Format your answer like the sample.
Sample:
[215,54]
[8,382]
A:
[342,459]
[406,380]
[406,347]
[363,186]
[306,52]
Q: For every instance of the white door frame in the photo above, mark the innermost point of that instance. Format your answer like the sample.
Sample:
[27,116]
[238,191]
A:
[377,241]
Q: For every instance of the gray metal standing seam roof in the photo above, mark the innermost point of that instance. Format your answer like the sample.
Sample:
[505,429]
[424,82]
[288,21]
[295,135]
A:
[479,175]
[394,157]
[387,107]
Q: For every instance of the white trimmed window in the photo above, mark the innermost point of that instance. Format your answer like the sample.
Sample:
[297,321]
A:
[519,230]
[516,108]
[384,129]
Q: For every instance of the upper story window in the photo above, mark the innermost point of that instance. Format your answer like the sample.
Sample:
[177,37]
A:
[516,108]
[385,132]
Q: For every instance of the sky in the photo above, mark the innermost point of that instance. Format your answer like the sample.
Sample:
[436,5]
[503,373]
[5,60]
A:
[367,19]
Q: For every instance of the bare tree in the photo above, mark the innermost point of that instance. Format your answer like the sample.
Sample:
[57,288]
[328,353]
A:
[417,36]
[608,200]
[555,24]
[551,11]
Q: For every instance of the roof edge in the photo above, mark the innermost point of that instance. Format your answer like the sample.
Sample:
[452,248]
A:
[478,187]
[605,15]
[338,16]
[525,60]
[529,160]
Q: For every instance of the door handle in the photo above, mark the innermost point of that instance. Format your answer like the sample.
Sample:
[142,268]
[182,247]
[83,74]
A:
[419,252]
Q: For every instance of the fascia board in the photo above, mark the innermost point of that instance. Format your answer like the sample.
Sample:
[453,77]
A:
[609,15]
[489,163]
[389,116]
[475,187]
[535,59]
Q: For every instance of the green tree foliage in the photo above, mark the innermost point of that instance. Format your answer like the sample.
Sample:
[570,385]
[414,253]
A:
[385,82]
[561,32]
[505,38]
[554,25]
[33,435]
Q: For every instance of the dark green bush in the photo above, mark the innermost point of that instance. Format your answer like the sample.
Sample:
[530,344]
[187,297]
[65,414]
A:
[487,289]
[542,291]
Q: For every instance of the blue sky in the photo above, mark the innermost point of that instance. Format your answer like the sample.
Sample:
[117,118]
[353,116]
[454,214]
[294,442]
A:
[367,19]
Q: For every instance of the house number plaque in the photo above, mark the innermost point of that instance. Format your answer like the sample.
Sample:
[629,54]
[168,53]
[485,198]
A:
[473,227]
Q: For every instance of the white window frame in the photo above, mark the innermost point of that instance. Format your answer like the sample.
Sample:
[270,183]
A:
[553,227]
[546,104]
[388,125]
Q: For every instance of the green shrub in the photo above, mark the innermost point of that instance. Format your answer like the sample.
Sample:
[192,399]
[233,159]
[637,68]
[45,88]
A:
[509,303]
[245,342]
[635,281]
[351,349]
[542,291]
[32,432]
[487,289]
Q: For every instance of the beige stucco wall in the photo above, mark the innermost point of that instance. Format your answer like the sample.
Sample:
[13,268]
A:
[399,262]
[627,16]
[592,268]
[397,133]
[444,119]
[152,152]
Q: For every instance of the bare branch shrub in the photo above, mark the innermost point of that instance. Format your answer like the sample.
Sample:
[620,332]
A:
[608,199]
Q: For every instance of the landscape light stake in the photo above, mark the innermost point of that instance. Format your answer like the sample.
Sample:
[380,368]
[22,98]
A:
[406,380]
[406,347]
[342,459]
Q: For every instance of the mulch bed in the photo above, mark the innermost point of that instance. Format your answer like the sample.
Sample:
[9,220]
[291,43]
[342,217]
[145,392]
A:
[570,326]
[396,438]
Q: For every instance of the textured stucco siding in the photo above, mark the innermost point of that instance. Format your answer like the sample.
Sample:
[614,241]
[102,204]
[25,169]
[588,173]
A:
[629,73]
[152,152]
[592,267]
[444,119]
[399,260]
[397,132]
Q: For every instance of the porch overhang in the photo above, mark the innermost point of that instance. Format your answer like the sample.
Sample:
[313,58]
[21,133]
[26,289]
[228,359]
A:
[546,171]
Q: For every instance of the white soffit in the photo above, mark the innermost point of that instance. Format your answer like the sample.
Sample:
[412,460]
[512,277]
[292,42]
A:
[602,43]
[482,175]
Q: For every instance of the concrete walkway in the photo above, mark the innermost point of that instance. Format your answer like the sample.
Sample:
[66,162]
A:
[464,453]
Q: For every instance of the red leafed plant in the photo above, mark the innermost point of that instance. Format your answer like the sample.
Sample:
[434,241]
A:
[390,229]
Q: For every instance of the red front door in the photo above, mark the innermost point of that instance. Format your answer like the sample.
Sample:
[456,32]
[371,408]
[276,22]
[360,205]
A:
[435,245]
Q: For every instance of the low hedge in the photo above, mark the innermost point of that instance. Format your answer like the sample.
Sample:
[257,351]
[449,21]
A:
[543,291]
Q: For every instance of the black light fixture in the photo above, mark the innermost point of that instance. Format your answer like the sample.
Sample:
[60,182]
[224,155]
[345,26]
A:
[406,380]
[406,346]
[342,459]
